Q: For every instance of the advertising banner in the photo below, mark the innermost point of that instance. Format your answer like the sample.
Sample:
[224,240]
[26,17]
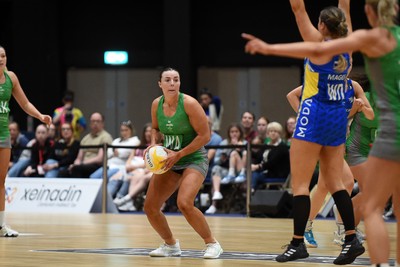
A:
[51,195]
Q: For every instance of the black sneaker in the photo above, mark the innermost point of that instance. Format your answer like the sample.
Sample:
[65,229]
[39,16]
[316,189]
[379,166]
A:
[293,253]
[350,251]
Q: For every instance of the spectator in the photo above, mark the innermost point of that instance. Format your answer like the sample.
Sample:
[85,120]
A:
[53,133]
[289,129]
[41,151]
[17,169]
[90,159]
[117,157]
[247,122]
[227,162]
[213,108]
[118,185]
[215,140]
[69,113]
[262,123]
[18,141]
[63,155]
[274,162]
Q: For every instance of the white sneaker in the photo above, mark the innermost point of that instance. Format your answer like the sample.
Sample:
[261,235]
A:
[6,231]
[128,206]
[167,250]
[121,201]
[338,236]
[240,179]
[213,251]
[228,179]
[217,196]
[360,235]
[211,210]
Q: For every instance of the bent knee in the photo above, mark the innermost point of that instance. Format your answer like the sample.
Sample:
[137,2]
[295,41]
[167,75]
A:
[185,206]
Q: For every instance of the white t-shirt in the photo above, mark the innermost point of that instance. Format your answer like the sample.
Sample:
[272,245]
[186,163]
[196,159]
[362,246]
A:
[123,153]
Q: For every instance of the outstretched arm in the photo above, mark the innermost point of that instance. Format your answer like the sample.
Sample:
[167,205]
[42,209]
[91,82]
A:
[357,41]
[307,30]
[344,5]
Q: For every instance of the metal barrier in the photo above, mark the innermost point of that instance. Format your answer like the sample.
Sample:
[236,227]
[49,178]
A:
[105,147]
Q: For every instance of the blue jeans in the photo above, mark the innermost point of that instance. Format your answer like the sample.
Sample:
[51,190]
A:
[113,186]
[18,168]
[256,178]
[52,173]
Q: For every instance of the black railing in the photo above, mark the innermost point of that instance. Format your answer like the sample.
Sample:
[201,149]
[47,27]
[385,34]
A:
[105,147]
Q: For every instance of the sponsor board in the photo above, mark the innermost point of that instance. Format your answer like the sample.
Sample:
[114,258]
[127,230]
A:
[51,195]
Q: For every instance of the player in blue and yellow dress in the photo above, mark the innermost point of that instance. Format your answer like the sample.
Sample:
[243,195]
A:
[381,49]
[320,131]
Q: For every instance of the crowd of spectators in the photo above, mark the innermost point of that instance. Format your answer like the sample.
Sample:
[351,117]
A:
[60,151]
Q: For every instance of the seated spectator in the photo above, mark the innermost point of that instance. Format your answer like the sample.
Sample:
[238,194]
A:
[247,123]
[65,151]
[53,133]
[135,178]
[69,113]
[227,163]
[117,157]
[213,108]
[289,129]
[275,162]
[90,159]
[41,151]
[17,169]
[262,123]
[18,142]
[215,140]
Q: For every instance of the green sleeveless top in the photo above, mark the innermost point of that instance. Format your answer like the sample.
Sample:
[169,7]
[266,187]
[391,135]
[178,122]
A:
[384,74]
[178,132]
[362,132]
[5,95]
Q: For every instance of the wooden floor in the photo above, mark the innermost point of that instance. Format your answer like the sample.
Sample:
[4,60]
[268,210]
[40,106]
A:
[125,239]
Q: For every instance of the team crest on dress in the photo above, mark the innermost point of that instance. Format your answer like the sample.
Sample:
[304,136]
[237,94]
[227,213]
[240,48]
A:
[169,125]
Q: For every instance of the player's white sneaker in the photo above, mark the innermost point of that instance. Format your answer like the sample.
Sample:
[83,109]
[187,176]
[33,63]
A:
[6,231]
[166,250]
[212,251]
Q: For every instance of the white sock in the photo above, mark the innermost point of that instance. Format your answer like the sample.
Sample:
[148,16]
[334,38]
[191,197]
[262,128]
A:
[309,225]
[243,171]
[2,218]
[340,227]
[380,265]
[231,172]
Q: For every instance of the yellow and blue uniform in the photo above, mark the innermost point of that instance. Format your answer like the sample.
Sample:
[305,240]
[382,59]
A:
[322,116]
[349,96]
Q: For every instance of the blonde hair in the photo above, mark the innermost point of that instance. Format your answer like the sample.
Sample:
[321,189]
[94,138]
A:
[385,9]
[335,21]
[275,126]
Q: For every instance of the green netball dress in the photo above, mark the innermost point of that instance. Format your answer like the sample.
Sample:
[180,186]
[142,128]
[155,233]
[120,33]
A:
[362,135]
[178,133]
[384,74]
[5,95]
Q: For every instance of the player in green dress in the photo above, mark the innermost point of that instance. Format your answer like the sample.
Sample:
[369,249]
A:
[184,128]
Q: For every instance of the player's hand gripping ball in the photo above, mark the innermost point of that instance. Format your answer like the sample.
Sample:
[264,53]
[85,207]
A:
[153,159]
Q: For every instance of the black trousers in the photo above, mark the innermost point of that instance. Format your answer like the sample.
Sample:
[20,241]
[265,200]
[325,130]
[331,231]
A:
[84,170]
